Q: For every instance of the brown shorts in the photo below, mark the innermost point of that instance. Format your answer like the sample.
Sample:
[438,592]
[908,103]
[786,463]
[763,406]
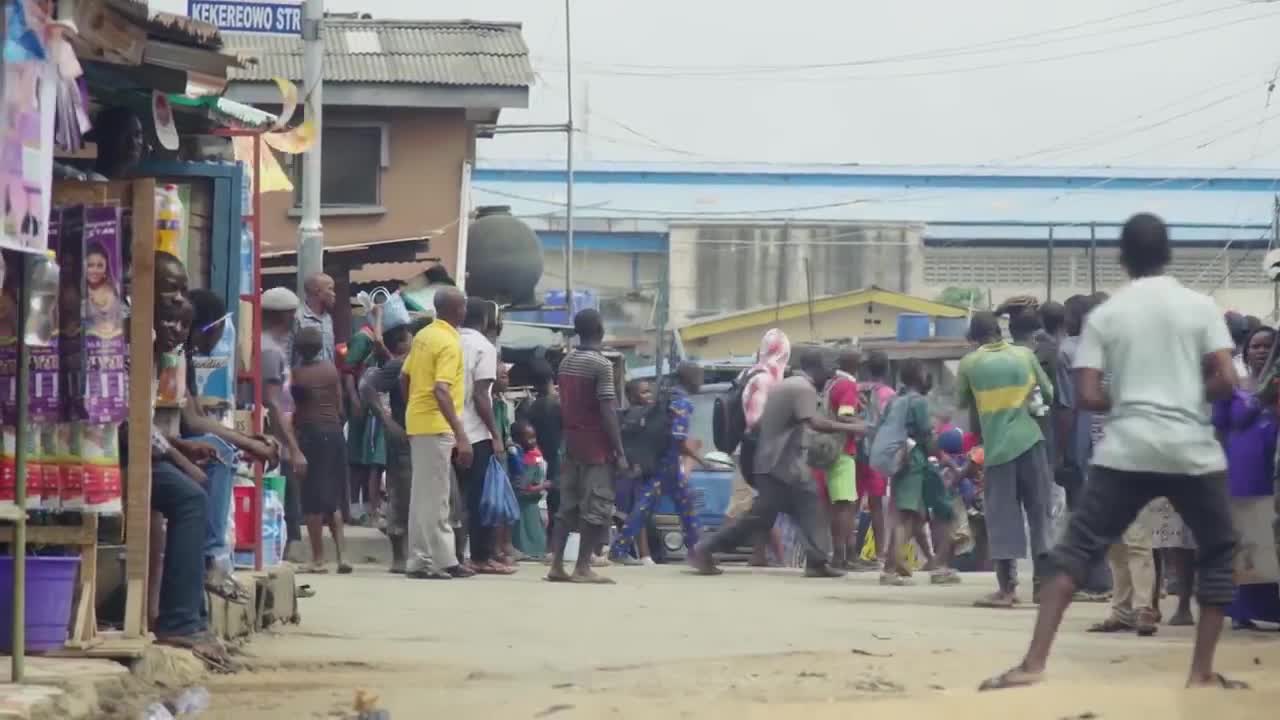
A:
[586,494]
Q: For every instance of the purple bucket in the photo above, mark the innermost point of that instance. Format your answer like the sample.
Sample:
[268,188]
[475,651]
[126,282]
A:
[50,587]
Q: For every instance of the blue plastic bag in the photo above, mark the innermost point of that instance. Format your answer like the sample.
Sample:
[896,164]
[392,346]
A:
[498,504]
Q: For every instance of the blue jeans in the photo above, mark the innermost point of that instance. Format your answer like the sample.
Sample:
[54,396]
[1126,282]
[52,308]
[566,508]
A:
[220,474]
[184,505]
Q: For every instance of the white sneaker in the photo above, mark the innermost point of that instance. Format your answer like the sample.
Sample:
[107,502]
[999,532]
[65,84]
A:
[647,561]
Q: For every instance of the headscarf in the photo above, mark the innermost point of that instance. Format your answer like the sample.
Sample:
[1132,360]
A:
[771,362]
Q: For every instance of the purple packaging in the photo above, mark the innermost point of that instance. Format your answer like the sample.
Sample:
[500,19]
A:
[69,296]
[104,383]
[44,397]
[10,292]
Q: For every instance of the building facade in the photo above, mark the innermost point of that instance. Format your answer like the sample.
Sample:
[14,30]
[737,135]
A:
[404,102]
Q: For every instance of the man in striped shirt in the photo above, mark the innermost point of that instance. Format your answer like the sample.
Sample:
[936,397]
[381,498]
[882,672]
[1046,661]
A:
[998,381]
[593,448]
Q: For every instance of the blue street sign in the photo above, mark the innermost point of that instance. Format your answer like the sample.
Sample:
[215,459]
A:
[277,18]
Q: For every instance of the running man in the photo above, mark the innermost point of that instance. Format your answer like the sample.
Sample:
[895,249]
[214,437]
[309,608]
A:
[1167,351]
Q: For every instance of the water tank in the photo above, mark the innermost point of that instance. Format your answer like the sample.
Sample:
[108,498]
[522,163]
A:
[946,327]
[504,257]
[912,327]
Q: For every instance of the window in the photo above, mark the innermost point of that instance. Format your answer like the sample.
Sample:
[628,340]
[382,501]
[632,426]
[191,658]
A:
[351,167]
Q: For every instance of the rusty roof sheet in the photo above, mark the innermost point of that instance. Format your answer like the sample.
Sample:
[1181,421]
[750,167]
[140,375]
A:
[398,51]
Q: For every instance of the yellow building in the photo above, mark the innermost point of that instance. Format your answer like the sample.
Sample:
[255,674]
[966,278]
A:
[870,312]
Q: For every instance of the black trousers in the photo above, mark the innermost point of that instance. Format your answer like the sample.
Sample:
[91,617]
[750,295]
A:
[800,502]
[1111,502]
[292,504]
[479,537]
[184,505]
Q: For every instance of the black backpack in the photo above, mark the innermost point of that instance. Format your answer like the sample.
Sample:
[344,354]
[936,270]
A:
[729,418]
[646,432]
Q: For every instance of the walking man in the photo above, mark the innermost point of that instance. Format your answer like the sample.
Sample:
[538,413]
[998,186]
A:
[782,479]
[316,311]
[433,419]
[593,448]
[1167,351]
[998,381]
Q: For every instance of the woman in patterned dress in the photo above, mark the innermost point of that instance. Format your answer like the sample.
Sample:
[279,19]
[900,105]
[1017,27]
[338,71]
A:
[366,443]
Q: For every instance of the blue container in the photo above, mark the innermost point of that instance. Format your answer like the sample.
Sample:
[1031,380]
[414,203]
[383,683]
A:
[582,299]
[945,327]
[49,589]
[912,327]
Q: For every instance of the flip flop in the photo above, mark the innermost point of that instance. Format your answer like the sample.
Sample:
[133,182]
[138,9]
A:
[995,601]
[557,578]
[1011,678]
[592,579]
[1111,625]
[493,568]
[225,587]
[428,575]
[945,577]
[313,569]
[1223,682]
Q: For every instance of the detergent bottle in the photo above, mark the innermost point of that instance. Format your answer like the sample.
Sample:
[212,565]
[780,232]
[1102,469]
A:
[169,216]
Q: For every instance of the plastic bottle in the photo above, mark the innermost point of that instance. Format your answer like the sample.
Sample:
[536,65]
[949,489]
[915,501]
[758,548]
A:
[169,218]
[191,702]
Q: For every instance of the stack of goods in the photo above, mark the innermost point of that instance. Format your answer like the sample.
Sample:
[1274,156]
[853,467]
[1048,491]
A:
[79,381]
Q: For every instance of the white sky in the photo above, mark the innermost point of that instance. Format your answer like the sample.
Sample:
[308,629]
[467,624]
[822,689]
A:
[1161,82]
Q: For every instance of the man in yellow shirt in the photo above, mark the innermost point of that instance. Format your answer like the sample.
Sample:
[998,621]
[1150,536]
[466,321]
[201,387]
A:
[433,381]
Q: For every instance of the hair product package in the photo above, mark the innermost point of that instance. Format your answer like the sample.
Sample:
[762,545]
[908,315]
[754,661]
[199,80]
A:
[100,452]
[103,393]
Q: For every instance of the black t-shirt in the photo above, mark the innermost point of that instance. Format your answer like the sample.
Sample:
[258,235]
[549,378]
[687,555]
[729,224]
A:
[544,416]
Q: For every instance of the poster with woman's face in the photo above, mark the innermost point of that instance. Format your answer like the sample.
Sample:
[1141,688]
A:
[103,312]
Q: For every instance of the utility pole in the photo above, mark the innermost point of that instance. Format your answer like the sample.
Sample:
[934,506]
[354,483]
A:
[1048,284]
[310,232]
[1093,258]
[1275,243]
[568,144]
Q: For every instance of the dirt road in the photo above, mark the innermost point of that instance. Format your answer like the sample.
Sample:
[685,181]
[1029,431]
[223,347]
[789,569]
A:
[747,644]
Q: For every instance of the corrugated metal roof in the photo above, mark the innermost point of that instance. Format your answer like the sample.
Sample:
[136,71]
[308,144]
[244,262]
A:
[411,52]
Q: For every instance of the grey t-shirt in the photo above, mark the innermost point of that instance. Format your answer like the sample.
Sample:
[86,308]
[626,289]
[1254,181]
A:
[780,452]
[275,368]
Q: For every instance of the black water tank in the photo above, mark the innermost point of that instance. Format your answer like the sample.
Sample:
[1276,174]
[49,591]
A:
[504,257]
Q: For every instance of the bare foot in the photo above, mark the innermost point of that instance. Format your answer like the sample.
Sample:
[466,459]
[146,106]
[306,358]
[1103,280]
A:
[557,575]
[702,562]
[590,578]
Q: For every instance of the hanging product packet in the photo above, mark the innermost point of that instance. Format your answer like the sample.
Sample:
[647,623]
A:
[44,404]
[51,469]
[70,466]
[103,392]
[100,453]
[9,470]
[10,295]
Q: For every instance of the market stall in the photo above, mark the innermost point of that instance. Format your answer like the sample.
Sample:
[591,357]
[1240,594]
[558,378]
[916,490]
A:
[111,145]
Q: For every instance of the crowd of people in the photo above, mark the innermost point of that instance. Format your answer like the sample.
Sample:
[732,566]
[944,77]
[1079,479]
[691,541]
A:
[1153,416]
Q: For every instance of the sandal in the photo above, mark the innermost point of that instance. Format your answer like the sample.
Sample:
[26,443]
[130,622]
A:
[205,647]
[428,575]
[1223,682]
[1011,678]
[460,572]
[224,586]
[947,576]
[996,601]
[313,569]
[592,579]
[893,579]
[494,568]
[1111,625]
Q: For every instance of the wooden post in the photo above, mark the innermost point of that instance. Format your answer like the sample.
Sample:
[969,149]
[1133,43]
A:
[137,519]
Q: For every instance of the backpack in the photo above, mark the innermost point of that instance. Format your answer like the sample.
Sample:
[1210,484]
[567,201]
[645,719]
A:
[822,450]
[889,447]
[729,418]
[646,432]
[869,412]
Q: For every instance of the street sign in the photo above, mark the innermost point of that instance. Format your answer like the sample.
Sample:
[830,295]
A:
[276,18]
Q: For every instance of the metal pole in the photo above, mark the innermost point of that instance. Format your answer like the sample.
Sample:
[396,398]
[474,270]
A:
[1048,282]
[1275,242]
[310,231]
[19,550]
[568,145]
[1093,259]
[661,325]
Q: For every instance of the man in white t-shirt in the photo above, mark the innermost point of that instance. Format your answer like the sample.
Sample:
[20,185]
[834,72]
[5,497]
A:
[1167,352]
[479,369]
